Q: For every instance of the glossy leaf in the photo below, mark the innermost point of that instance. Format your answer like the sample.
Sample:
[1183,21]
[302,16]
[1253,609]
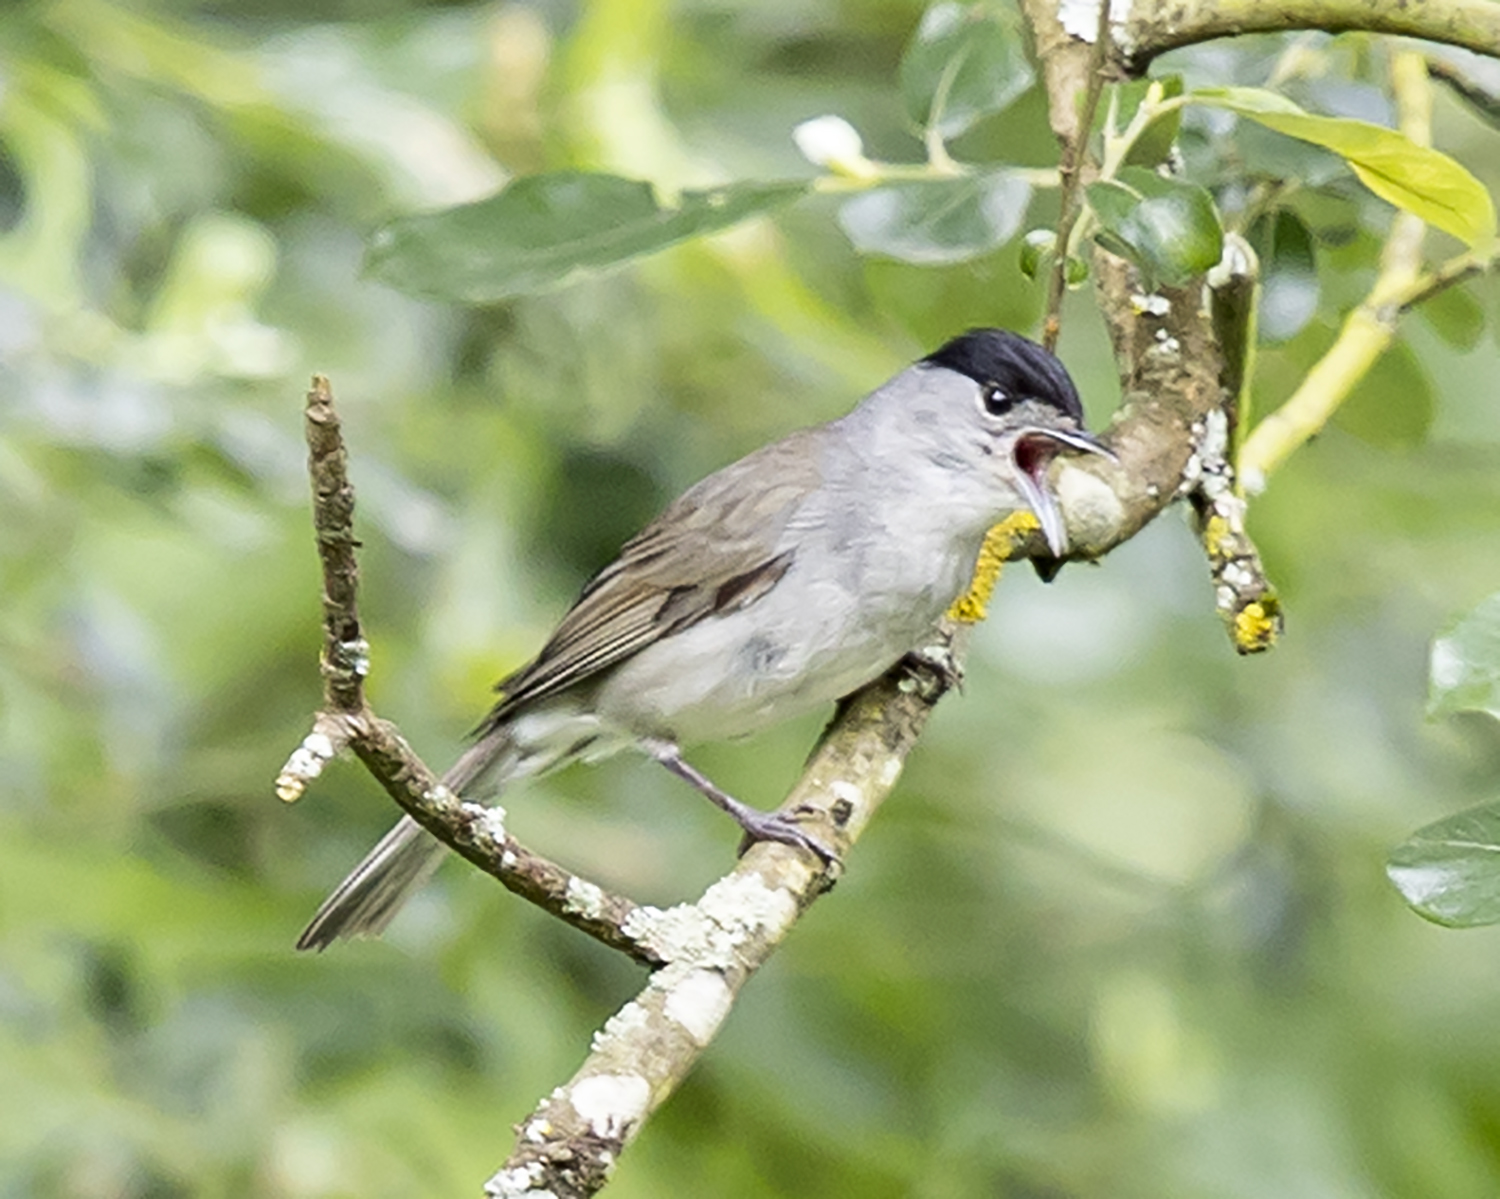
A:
[1464,673]
[1415,178]
[1037,250]
[1289,274]
[1170,229]
[963,63]
[1449,872]
[1154,146]
[935,221]
[546,230]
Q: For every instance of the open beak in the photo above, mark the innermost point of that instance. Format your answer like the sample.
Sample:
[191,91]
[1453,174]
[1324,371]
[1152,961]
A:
[1034,450]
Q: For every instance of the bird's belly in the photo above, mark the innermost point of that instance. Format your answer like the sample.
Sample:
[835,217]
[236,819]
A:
[732,675]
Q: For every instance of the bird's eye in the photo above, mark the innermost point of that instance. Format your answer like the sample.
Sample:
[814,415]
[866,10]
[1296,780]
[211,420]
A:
[995,400]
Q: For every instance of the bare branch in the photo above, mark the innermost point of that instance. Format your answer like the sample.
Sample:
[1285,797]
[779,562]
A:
[346,654]
[1153,29]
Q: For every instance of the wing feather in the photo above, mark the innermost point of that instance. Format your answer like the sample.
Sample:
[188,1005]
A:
[712,551]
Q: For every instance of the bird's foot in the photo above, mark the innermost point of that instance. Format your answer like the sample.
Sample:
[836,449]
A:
[758,825]
[935,669]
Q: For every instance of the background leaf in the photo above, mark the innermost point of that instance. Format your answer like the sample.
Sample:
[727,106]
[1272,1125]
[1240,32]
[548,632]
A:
[1169,228]
[546,230]
[1416,178]
[1393,406]
[964,62]
[1449,872]
[935,221]
[1289,274]
[1464,674]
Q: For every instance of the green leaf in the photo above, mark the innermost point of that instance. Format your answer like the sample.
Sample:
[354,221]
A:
[1289,274]
[1455,316]
[1414,178]
[1464,674]
[936,221]
[543,231]
[1037,249]
[1154,146]
[1449,872]
[1393,406]
[963,63]
[1170,229]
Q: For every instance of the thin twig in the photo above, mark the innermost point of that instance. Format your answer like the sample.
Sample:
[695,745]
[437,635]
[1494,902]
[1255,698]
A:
[1075,151]
[346,654]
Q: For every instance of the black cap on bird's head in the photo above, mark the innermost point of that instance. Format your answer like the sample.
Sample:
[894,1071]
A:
[1014,373]
[1019,367]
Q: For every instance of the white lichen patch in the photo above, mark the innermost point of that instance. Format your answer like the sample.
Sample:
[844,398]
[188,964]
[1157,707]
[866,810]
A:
[305,764]
[711,933]
[742,904]
[1152,305]
[845,790]
[1080,19]
[610,1103]
[355,656]
[698,1000]
[671,933]
[1213,434]
[1166,346]
[583,898]
[537,1131]
[517,1181]
[492,824]
[628,1022]
[890,771]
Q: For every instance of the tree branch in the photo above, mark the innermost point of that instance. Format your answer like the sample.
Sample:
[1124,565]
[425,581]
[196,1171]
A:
[1153,29]
[474,831]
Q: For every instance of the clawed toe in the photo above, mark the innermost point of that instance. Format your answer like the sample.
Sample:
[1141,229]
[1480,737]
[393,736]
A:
[937,660]
[768,826]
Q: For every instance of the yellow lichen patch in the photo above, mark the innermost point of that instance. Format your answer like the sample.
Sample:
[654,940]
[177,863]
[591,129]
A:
[1216,532]
[1257,625]
[999,547]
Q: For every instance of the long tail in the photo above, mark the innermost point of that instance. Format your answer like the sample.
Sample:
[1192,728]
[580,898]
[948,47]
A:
[396,869]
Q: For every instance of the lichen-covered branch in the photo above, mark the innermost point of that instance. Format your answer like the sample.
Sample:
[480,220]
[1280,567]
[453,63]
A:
[346,654]
[474,831]
[1151,29]
[569,1145]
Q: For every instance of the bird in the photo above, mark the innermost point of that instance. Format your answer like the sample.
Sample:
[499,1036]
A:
[777,585]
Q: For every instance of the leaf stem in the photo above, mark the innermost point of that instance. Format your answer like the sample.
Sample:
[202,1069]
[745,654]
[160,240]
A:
[1367,331]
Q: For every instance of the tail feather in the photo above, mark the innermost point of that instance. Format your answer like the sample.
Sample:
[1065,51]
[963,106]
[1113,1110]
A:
[365,902]
[398,867]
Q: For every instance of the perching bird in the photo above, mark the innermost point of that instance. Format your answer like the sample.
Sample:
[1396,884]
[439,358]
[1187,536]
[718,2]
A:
[780,583]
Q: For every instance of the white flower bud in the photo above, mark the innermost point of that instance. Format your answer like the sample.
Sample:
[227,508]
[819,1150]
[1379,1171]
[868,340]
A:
[832,142]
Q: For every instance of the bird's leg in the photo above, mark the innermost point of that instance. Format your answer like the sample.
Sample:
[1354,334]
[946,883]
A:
[758,825]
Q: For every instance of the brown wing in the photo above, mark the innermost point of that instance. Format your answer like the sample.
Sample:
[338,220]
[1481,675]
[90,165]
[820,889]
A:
[711,551]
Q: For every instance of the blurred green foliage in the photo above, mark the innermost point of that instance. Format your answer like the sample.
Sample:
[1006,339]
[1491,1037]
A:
[1124,931]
